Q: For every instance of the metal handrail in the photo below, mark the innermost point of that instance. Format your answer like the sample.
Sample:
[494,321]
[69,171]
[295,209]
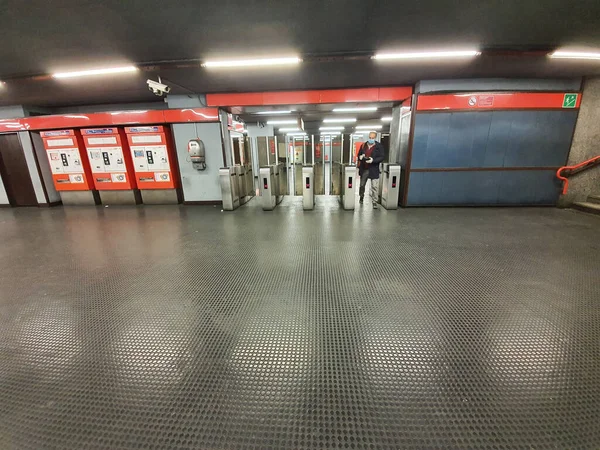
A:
[590,163]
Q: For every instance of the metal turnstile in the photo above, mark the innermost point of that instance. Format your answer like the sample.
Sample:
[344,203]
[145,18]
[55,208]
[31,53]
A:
[268,195]
[308,188]
[229,188]
[280,186]
[348,195]
[391,186]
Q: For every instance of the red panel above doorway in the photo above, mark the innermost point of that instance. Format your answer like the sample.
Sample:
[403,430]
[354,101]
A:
[495,101]
[387,94]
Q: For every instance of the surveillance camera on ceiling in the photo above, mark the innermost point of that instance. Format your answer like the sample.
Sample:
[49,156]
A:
[157,88]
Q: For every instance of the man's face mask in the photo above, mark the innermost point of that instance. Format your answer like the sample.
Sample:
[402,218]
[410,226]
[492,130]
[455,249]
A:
[371,141]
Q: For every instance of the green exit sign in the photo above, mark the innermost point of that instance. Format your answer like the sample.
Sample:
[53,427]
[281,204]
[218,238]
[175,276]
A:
[570,100]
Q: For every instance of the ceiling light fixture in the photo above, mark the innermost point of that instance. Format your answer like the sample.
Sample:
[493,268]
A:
[369,127]
[361,109]
[331,133]
[289,129]
[272,112]
[574,55]
[422,55]
[340,120]
[331,128]
[296,134]
[386,119]
[282,122]
[86,73]
[252,62]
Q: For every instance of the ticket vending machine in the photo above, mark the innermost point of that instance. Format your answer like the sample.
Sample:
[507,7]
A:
[155,164]
[70,168]
[111,165]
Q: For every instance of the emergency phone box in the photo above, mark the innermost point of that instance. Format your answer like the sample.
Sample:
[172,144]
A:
[70,168]
[111,165]
[154,163]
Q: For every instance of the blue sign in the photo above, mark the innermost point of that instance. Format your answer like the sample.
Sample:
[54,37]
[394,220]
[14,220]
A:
[100,131]
[144,130]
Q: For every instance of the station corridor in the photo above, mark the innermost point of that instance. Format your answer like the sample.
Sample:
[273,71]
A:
[189,327]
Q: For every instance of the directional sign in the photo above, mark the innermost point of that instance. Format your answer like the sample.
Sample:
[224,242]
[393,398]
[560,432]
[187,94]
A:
[569,101]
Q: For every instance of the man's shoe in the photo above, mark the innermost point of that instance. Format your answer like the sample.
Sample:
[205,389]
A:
[360,200]
[375,205]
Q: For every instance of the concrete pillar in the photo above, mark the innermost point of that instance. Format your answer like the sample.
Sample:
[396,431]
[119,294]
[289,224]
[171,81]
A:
[585,145]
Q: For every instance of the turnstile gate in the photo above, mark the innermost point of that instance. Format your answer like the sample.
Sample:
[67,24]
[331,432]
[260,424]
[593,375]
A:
[391,186]
[347,194]
[228,180]
[308,189]
[268,188]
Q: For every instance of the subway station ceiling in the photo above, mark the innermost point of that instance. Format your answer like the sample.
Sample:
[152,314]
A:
[335,37]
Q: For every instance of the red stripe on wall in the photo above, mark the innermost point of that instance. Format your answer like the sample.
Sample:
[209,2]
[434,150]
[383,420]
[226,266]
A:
[387,94]
[499,100]
[116,118]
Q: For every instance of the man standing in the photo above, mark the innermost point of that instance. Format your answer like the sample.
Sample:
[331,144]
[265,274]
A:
[370,155]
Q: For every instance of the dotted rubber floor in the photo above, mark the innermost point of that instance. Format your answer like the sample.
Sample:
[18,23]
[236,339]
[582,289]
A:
[188,327]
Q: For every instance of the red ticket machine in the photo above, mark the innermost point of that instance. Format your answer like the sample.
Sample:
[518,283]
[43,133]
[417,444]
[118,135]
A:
[155,164]
[70,171]
[111,165]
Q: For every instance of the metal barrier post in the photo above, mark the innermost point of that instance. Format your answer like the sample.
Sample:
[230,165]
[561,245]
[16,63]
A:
[308,189]
[391,186]
[268,199]
[229,188]
[348,196]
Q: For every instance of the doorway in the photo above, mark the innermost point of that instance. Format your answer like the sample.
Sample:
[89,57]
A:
[14,172]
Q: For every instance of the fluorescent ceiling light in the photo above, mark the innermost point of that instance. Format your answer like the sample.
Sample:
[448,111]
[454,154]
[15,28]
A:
[297,134]
[85,73]
[340,120]
[282,122]
[252,62]
[421,55]
[361,109]
[574,55]
[331,133]
[272,112]
[386,119]
[369,127]
[289,129]
[331,128]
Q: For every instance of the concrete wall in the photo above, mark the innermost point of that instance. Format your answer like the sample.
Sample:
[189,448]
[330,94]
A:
[11,112]
[586,145]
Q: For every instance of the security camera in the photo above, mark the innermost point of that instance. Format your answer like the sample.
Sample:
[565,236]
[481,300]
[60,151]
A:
[157,88]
